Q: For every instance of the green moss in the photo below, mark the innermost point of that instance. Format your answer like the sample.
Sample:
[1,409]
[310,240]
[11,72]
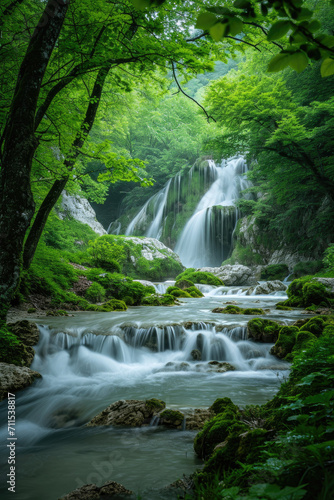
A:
[155,405]
[223,404]
[263,330]
[315,325]
[111,305]
[253,311]
[286,341]
[31,310]
[199,277]
[172,417]
[307,268]
[95,293]
[12,350]
[304,340]
[194,292]
[314,293]
[275,272]
[179,293]
[159,300]
[281,307]
[230,309]
[183,284]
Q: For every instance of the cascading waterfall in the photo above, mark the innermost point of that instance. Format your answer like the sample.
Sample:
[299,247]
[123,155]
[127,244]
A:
[206,238]
[206,241]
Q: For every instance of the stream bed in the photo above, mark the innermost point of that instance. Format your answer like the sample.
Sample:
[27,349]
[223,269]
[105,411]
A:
[91,360]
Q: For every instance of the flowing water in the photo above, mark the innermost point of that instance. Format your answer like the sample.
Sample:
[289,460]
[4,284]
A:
[94,359]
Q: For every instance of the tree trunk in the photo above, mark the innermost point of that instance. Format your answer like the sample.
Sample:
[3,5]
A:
[19,145]
[58,186]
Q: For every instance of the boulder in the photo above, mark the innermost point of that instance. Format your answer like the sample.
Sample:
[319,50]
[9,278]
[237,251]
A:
[81,210]
[13,378]
[172,418]
[267,287]
[196,355]
[232,275]
[196,419]
[93,492]
[130,412]
[220,367]
[27,332]
[327,282]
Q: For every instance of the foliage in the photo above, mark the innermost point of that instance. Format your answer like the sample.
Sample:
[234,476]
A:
[11,348]
[199,277]
[275,272]
[95,293]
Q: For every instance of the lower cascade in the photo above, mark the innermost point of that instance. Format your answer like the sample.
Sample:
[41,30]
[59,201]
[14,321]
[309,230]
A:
[205,239]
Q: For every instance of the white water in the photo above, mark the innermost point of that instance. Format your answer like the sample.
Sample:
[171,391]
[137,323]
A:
[199,233]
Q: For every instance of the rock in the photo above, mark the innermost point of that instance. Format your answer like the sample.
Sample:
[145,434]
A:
[131,412]
[220,367]
[80,209]
[153,248]
[196,419]
[267,287]
[328,282]
[93,492]
[146,283]
[172,418]
[196,355]
[14,378]
[27,332]
[232,275]
[263,330]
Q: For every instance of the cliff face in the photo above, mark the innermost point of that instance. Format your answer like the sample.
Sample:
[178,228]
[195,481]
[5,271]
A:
[81,210]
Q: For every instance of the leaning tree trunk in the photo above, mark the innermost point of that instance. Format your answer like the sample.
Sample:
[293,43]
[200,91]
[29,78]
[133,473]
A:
[19,145]
[58,186]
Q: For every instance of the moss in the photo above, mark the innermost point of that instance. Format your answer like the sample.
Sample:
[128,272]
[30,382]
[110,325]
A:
[263,330]
[95,293]
[183,284]
[31,310]
[12,350]
[199,277]
[275,272]
[286,341]
[313,293]
[315,325]
[194,292]
[281,307]
[173,418]
[111,305]
[155,405]
[304,340]
[179,293]
[59,312]
[223,404]
[306,268]
[230,309]
[159,300]
[253,311]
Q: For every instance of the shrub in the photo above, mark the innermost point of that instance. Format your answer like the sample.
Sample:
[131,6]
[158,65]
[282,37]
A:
[95,293]
[307,268]
[275,272]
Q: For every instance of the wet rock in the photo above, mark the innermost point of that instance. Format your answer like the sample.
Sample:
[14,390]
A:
[14,378]
[196,355]
[145,282]
[327,282]
[196,419]
[64,418]
[172,418]
[175,367]
[27,332]
[236,275]
[130,412]
[267,287]
[263,330]
[93,492]
[220,367]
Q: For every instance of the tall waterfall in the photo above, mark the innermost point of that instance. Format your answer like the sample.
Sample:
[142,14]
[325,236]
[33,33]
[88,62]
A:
[205,240]
[194,212]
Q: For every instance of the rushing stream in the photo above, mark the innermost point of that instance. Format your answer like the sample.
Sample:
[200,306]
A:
[94,359]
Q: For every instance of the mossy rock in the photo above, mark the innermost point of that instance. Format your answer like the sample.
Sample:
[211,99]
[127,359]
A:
[159,300]
[281,307]
[223,404]
[172,418]
[199,277]
[216,431]
[230,309]
[178,293]
[111,305]
[263,330]
[304,340]
[314,293]
[315,325]
[194,292]
[12,350]
[155,405]
[286,341]
[253,311]
[183,284]
[292,302]
[328,330]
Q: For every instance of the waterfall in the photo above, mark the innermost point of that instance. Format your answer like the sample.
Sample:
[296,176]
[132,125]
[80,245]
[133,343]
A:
[201,236]
[206,238]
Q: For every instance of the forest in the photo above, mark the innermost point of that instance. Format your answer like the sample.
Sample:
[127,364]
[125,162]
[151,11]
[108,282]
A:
[167,249]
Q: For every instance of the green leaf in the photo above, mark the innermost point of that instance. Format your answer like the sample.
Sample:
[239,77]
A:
[304,14]
[278,30]
[242,4]
[217,31]
[278,63]
[235,25]
[141,4]
[205,20]
[314,26]
[221,11]
[327,67]
[298,61]
[328,40]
